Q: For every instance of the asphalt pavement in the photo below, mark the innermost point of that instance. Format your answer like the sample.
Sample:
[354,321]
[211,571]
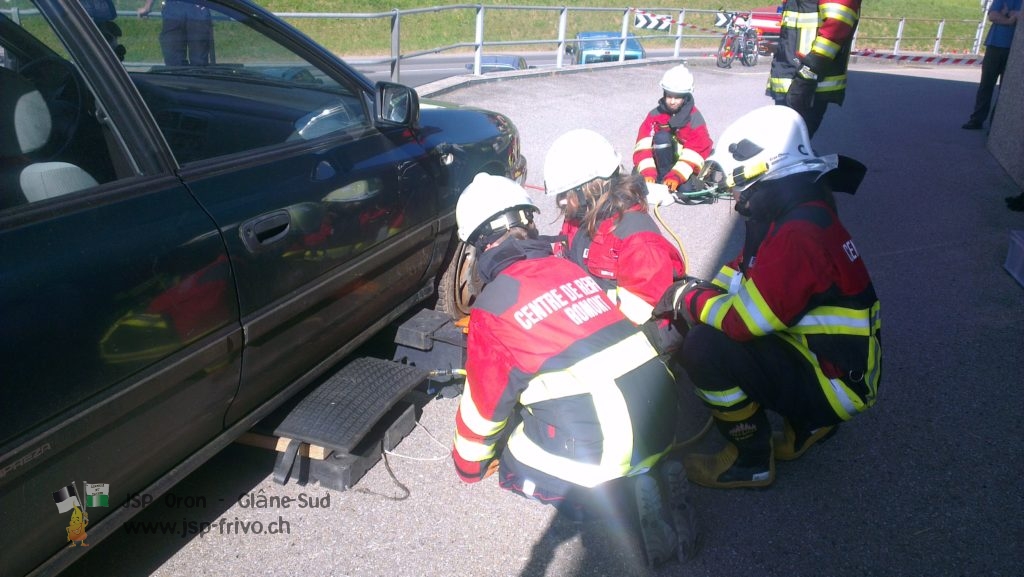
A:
[928,482]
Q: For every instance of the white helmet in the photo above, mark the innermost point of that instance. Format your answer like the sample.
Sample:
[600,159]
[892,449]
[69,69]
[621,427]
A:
[491,204]
[764,144]
[577,157]
[677,80]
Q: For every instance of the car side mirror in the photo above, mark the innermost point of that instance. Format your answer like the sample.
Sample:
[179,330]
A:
[396,105]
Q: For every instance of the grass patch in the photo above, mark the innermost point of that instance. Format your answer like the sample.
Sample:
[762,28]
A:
[434,29]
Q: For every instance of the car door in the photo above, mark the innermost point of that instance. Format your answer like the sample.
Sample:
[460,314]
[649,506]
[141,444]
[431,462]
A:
[329,220]
[119,333]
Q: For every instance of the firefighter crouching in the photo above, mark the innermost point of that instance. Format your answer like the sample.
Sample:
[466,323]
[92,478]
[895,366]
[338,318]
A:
[609,231]
[673,139]
[564,396]
[792,324]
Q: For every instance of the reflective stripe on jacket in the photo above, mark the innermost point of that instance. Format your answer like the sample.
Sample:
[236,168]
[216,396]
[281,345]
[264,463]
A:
[818,33]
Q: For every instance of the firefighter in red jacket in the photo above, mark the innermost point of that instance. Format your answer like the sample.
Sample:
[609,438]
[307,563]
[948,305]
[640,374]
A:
[559,384]
[793,324]
[809,68]
[609,231]
[673,139]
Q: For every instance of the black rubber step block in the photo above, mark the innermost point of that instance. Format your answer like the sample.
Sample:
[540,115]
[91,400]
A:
[340,412]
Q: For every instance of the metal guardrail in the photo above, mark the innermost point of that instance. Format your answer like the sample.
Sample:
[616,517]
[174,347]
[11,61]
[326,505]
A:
[688,24]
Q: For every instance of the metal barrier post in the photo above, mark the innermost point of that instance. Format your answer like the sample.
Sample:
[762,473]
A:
[938,37]
[899,36]
[562,17]
[396,49]
[679,33]
[622,40]
[478,51]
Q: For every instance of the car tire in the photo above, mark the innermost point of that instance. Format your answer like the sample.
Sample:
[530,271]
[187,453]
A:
[459,284]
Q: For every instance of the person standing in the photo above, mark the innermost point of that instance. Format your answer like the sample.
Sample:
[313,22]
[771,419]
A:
[1003,14]
[809,68]
[186,34]
[673,139]
[564,396]
[793,323]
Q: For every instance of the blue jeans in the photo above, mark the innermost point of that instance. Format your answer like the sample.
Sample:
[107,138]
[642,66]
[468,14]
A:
[186,38]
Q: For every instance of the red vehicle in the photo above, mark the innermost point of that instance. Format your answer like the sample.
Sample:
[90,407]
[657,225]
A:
[766,20]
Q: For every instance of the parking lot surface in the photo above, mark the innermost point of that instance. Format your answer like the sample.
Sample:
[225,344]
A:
[925,483]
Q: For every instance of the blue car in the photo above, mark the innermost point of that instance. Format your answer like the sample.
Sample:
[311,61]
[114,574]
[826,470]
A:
[593,47]
[192,237]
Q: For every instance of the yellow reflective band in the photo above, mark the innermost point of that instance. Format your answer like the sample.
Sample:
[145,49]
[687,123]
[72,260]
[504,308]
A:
[825,47]
[635,308]
[473,451]
[724,399]
[714,310]
[582,474]
[836,11]
[843,401]
[752,309]
[644,143]
[724,278]
[691,157]
[471,415]
[602,367]
[683,168]
[835,321]
[645,164]
[800,19]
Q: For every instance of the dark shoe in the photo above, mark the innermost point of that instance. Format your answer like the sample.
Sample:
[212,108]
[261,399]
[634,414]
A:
[789,445]
[658,537]
[1017,205]
[1012,201]
[972,125]
[684,516]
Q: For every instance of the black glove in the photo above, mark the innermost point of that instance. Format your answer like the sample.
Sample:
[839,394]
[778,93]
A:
[800,96]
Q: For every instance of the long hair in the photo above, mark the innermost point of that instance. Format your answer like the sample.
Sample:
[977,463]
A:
[611,198]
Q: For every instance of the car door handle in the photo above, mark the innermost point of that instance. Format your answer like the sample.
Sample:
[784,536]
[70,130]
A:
[265,230]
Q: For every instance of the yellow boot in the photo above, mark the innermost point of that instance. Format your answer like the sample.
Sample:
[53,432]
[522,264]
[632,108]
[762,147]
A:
[746,462]
[790,444]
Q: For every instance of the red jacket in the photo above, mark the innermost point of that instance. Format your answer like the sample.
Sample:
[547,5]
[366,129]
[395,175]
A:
[801,278]
[597,402]
[693,145]
[632,260]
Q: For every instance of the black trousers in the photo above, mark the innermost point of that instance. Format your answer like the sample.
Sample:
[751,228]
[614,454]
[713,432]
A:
[992,67]
[813,117]
[770,372]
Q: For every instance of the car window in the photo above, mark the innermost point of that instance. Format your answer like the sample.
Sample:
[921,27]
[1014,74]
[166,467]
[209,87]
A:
[218,83]
[52,141]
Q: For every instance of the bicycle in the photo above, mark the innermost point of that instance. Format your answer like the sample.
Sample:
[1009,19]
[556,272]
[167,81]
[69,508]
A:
[740,40]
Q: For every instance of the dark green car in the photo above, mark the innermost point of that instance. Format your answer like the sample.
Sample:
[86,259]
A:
[185,244]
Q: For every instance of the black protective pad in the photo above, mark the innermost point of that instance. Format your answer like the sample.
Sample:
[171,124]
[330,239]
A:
[339,413]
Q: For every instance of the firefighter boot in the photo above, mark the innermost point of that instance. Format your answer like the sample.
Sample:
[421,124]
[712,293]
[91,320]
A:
[658,537]
[793,441]
[684,516]
[746,461]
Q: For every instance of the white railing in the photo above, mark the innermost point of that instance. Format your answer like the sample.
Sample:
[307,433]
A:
[687,25]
